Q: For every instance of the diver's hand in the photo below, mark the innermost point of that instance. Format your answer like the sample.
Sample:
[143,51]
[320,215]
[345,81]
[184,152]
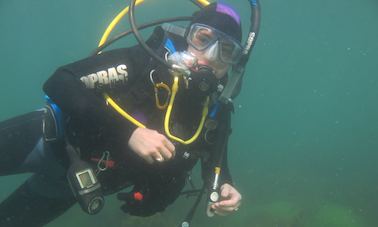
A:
[229,202]
[151,145]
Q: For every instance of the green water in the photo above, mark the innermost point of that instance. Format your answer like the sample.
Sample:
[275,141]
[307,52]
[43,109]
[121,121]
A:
[305,137]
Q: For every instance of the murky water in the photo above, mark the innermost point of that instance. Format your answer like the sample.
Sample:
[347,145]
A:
[305,137]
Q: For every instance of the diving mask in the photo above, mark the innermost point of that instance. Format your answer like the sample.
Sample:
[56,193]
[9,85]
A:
[214,44]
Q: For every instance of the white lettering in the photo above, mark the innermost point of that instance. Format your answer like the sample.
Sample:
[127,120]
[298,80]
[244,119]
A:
[103,77]
[85,81]
[121,69]
[250,39]
[92,79]
[106,77]
[122,77]
[113,76]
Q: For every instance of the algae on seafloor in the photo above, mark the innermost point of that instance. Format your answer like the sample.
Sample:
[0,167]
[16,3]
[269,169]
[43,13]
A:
[335,215]
[156,220]
[278,213]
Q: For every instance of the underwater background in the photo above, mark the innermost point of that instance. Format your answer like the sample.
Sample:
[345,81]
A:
[304,148]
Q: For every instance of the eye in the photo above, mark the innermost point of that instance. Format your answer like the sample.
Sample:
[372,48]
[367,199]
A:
[203,37]
[227,49]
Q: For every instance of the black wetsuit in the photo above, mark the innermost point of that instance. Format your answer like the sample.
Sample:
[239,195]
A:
[93,127]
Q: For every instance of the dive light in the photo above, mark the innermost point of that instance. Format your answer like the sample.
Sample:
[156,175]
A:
[213,193]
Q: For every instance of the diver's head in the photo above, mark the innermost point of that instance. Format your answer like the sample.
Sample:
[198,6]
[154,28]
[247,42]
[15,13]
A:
[214,37]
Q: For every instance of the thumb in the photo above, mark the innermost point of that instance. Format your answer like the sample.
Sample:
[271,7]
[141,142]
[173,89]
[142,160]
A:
[225,191]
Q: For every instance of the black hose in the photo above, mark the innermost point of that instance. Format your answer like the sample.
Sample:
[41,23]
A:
[190,192]
[140,39]
[253,31]
[140,27]
[190,215]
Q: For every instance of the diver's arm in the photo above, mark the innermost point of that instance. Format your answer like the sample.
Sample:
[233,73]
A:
[151,145]
[66,89]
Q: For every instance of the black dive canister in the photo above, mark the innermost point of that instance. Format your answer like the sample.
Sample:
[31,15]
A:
[84,184]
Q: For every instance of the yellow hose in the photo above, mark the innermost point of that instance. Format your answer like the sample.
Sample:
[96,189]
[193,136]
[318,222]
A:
[114,22]
[122,112]
[203,2]
[168,115]
[104,37]
[116,107]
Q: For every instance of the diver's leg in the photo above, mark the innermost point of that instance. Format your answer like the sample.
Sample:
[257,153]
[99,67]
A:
[41,199]
[44,196]
[36,203]
[18,137]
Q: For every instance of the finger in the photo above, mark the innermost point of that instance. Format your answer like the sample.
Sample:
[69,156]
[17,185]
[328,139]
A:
[233,201]
[225,209]
[149,159]
[157,157]
[225,192]
[165,153]
[170,146]
[221,213]
[229,203]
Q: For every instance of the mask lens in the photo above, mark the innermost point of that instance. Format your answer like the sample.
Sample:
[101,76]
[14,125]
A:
[201,37]
[230,51]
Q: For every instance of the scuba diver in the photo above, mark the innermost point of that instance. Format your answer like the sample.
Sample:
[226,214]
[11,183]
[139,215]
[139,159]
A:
[121,119]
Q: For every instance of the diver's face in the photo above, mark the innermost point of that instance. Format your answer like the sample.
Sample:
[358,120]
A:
[220,68]
[213,48]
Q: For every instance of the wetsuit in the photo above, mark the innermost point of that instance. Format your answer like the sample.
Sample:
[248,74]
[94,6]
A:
[94,128]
